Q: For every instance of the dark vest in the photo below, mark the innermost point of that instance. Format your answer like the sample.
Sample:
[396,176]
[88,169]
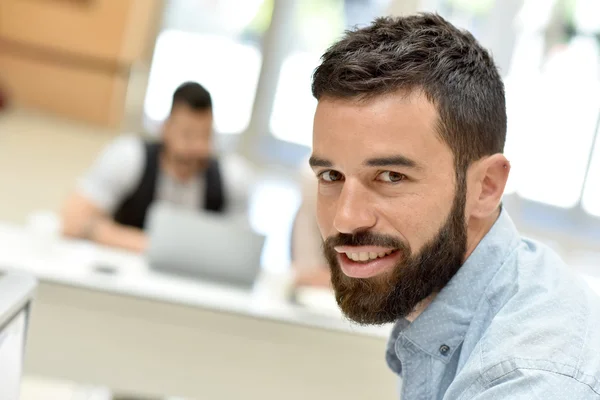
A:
[132,211]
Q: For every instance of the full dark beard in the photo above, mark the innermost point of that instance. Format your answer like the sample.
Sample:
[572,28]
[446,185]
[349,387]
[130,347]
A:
[385,299]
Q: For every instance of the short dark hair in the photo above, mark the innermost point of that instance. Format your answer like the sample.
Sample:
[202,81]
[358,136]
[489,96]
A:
[193,95]
[427,53]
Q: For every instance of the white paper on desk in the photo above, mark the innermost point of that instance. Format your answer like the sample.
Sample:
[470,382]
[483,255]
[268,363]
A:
[272,288]
[318,299]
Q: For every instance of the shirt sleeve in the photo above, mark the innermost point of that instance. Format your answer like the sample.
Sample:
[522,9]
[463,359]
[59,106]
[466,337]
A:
[533,384]
[115,173]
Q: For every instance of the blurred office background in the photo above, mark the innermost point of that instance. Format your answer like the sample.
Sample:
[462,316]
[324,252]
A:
[65,97]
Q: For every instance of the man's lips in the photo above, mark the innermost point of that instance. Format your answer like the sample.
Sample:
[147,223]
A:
[366,261]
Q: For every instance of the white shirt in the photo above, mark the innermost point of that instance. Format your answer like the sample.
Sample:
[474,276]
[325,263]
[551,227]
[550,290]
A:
[118,170]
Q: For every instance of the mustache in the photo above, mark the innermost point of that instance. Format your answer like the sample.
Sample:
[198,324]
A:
[365,238]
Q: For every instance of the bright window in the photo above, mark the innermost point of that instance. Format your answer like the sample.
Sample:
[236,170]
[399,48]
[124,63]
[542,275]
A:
[591,195]
[553,124]
[552,92]
[294,106]
[319,23]
[204,41]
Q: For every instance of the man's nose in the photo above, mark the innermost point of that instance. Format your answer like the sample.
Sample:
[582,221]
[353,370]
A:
[354,211]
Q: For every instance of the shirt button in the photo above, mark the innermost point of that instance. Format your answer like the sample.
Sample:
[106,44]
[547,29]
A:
[444,349]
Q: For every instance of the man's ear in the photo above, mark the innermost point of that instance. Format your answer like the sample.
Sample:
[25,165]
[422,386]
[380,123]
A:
[491,175]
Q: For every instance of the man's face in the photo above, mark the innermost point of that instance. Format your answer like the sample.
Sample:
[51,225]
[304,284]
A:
[188,138]
[390,207]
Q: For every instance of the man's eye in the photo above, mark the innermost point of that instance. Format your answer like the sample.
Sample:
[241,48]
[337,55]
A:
[391,177]
[330,176]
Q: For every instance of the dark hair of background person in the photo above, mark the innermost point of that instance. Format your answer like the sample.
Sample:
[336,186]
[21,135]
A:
[192,95]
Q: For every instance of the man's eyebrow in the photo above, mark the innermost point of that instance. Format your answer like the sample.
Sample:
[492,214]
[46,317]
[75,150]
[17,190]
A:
[388,161]
[315,161]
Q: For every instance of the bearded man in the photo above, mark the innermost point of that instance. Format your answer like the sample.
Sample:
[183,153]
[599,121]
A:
[408,146]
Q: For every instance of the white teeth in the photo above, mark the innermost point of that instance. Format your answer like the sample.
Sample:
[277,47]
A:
[364,256]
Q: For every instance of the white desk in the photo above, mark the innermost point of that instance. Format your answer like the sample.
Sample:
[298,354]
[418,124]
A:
[147,333]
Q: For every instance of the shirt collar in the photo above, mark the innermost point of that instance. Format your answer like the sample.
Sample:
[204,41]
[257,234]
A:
[442,326]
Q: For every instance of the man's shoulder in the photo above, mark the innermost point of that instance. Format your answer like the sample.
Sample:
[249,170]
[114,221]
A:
[129,145]
[115,172]
[519,381]
[536,288]
[567,345]
[543,318]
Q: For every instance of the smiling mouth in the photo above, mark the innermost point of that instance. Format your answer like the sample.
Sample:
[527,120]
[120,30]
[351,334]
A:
[366,257]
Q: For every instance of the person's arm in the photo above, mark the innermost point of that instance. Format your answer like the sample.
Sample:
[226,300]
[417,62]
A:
[87,213]
[527,384]
[83,219]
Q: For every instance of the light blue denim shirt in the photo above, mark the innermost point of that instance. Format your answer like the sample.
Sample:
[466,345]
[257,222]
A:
[514,323]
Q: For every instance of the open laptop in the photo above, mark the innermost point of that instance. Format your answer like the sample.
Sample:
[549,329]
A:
[207,246]
[16,293]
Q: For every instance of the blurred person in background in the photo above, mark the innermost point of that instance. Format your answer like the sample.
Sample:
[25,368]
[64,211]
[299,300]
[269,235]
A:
[408,143]
[111,202]
[309,265]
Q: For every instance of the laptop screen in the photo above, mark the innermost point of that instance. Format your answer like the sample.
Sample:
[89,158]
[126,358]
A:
[12,346]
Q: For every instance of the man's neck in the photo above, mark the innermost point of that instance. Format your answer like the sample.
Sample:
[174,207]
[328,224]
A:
[421,307]
[177,173]
[477,229]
